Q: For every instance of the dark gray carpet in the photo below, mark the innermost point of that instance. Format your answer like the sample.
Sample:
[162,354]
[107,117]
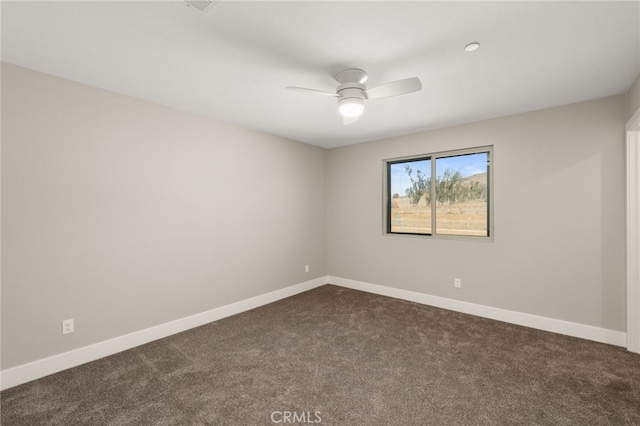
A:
[333,356]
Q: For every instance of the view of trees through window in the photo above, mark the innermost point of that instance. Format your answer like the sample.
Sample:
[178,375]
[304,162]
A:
[442,194]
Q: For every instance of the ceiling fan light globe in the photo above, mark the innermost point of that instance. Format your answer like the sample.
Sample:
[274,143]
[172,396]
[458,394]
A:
[351,107]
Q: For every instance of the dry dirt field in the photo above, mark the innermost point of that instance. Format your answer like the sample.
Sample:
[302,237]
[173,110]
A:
[467,218]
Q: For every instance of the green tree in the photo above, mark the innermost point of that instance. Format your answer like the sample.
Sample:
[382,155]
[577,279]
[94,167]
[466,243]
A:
[420,186]
[477,191]
[449,188]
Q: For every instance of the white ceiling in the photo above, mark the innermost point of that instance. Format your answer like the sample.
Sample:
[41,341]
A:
[234,63]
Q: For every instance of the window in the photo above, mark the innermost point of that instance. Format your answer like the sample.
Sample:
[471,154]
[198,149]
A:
[443,194]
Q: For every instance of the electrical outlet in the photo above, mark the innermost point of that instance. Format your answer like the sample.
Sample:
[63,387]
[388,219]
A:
[306,268]
[457,282]
[67,326]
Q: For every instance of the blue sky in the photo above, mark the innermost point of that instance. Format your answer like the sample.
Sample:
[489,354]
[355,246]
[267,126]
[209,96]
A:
[468,165]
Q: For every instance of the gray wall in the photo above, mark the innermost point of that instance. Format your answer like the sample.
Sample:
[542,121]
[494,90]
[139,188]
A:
[123,214]
[633,98]
[559,245]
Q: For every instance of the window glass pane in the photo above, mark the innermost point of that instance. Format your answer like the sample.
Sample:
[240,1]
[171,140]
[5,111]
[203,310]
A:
[462,195]
[409,194]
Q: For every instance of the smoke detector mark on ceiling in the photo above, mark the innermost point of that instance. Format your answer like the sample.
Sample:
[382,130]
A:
[203,6]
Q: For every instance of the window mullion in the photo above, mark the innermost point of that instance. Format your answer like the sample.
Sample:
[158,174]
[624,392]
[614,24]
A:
[432,189]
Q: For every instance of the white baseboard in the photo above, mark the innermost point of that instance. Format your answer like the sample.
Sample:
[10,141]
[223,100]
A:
[43,367]
[582,331]
[40,368]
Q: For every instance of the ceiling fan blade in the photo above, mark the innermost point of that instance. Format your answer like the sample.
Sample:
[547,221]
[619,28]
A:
[317,92]
[395,88]
[349,120]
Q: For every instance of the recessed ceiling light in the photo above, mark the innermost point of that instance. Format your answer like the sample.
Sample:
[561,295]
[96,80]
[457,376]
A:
[472,46]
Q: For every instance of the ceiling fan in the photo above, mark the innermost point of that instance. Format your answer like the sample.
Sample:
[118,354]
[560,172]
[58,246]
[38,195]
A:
[352,92]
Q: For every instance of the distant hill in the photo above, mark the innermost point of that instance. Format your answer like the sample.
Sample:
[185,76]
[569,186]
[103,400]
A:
[479,177]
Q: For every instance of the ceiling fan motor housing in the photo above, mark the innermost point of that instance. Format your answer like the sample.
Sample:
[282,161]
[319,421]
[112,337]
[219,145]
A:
[352,75]
[352,90]
[351,85]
